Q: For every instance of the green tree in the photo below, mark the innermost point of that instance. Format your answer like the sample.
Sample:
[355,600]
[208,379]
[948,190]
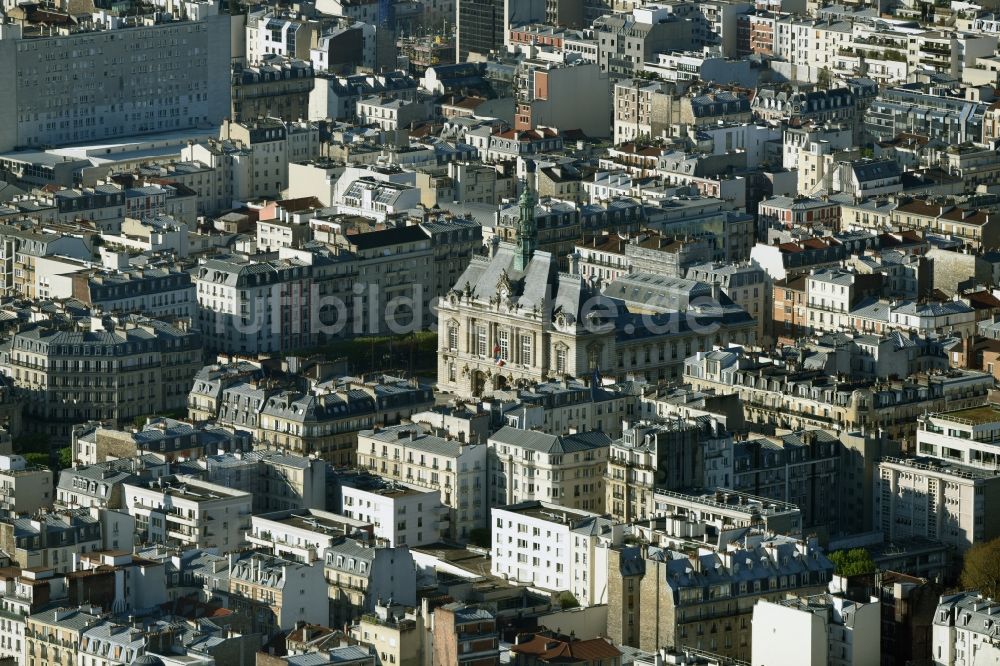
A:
[567,600]
[41,459]
[852,562]
[65,457]
[824,79]
[981,568]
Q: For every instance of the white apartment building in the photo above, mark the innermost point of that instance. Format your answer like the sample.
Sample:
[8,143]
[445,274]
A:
[926,318]
[553,548]
[965,436]
[278,480]
[822,630]
[248,307]
[830,293]
[948,52]
[303,535]
[838,299]
[571,406]
[964,631]
[270,33]
[566,470]
[375,198]
[187,512]
[109,643]
[457,470]
[139,585]
[391,114]
[252,157]
[748,285]
[935,500]
[281,593]
[402,514]
[12,621]
[24,488]
[159,234]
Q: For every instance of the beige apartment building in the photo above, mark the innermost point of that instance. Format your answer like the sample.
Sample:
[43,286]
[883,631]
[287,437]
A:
[52,637]
[119,369]
[703,598]
[396,634]
[796,399]
[277,593]
[24,488]
[567,470]
[455,469]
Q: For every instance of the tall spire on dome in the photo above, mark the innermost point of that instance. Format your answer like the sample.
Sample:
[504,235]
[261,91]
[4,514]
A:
[526,230]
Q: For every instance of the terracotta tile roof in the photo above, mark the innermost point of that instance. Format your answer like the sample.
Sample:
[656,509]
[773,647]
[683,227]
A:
[470,103]
[797,283]
[977,218]
[301,203]
[555,650]
[608,243]
[530,135]
[921,207]
[983,300]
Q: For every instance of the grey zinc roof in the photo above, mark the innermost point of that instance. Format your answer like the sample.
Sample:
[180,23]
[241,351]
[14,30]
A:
[465,613]
[755,563]
[413,436]
[310,407]
[594,526]
[872,309]
[75,619]
[104,475]
[551,444]
[111,633]
[280,458]
[631,562]
[834,276]
[529,287]
[933,309]
[875,170]
[265,569]
[969,610]
[353,552]
[344,654]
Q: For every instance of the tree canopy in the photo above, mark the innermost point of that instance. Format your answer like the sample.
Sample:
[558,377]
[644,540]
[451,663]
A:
[852,562]
[981,568]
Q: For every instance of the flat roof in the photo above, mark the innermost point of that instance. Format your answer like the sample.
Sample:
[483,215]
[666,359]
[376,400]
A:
[550,512]
[972,415]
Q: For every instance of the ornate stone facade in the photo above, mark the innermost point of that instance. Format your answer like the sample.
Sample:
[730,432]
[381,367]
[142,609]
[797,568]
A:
[513,319]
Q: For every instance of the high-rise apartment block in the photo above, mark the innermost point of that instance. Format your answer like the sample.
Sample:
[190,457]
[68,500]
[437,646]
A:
[93,85]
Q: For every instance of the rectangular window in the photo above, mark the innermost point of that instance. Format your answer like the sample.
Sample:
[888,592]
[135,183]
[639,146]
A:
[453,338]
[561,360]
[526,350]
[481,340]
[503,345]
